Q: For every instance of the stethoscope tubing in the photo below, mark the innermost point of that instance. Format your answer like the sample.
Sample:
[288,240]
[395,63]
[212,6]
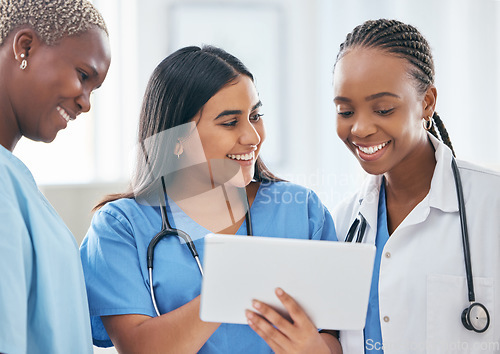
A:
[166,231]
[465,233]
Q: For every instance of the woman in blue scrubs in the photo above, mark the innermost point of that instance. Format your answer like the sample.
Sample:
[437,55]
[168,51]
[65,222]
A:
[47,73]
[201,128]
[385,100]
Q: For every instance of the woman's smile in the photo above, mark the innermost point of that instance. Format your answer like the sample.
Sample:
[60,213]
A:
[371,152]
[245,159]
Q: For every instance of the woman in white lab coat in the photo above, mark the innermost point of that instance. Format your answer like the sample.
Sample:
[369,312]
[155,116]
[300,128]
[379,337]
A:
[385,101]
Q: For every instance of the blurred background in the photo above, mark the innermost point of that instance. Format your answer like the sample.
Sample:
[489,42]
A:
[290,46]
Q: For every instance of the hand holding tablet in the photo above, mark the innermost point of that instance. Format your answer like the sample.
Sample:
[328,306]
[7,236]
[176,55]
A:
[329,280]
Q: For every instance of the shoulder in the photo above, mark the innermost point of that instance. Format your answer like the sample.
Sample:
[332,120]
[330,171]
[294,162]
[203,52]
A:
[124,212]
[481,188]
[480,181]
[17,189]
[118,224]
[474,177]
[14,175]
[478,172]
[123,206]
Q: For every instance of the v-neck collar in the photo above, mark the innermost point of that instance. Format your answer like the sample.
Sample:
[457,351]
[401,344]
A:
[180,220]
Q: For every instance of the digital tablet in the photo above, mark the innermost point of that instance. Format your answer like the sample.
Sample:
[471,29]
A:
[330,280]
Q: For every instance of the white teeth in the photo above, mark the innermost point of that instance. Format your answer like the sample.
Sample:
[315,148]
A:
[245,157]
[372,149]
[63,114]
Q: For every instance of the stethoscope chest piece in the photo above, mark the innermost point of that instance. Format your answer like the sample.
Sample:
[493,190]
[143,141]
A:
[476,318]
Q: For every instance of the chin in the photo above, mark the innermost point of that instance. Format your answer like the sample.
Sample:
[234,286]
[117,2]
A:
[43,139]
[371,169]
[240,181]
[49,140]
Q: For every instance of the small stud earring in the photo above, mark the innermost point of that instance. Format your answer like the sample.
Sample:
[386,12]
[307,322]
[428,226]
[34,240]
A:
[179,149]
[24,62]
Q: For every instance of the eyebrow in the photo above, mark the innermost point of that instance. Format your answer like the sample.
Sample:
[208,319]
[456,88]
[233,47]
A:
[91,68]
[94,72]
[381,94]
[236,111]
[368,98]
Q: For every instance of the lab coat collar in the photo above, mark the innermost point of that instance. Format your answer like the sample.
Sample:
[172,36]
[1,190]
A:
[368,201]
[442,194]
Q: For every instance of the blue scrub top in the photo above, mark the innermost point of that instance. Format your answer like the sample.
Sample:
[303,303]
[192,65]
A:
[114,258]
[373,331]
[43,305]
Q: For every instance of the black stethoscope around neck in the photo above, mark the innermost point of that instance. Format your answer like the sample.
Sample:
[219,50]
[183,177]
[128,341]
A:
[475,317]
[167,230]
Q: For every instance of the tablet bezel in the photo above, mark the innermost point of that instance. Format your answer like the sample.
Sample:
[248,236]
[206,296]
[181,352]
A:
[330,280]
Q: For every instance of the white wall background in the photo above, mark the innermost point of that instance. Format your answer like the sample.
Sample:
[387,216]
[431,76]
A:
[290,46]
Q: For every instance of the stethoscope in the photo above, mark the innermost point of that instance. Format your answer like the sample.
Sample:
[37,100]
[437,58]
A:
[167,230]
[475,317]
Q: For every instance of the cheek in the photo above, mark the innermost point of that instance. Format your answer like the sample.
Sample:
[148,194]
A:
[409,125]
[343,128]
[259,128]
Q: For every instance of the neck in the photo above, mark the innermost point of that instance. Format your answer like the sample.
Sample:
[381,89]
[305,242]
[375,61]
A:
[408,184]
[412,177]
[9,134]
[218,208]
[9,128]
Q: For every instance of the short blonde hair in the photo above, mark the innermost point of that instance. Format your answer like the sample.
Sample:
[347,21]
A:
[51,19]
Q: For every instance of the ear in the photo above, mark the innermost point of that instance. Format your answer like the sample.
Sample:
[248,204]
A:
[25,42]
[429,101]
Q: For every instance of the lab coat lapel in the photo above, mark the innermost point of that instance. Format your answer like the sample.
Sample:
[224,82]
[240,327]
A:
[352,341]
[368,206]
[443,194]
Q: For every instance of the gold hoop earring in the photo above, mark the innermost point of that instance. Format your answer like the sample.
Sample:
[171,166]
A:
[427,123]
[24,62]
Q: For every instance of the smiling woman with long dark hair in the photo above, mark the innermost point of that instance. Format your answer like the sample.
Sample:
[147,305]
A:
[201,131]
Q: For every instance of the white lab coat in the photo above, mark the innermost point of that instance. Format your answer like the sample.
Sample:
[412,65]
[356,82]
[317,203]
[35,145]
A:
[422,286]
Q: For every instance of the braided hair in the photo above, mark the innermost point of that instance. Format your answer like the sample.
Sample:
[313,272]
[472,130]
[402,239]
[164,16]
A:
[51,19]
[406,42]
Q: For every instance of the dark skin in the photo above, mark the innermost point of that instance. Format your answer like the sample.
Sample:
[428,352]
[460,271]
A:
[55,87]
[404,192]
[379,117]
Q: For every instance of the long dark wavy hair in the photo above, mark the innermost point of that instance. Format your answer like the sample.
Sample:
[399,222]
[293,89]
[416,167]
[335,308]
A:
[177,90]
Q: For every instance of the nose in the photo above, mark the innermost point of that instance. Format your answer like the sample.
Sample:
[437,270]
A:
[248,134]
[363,126]
[83,101]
